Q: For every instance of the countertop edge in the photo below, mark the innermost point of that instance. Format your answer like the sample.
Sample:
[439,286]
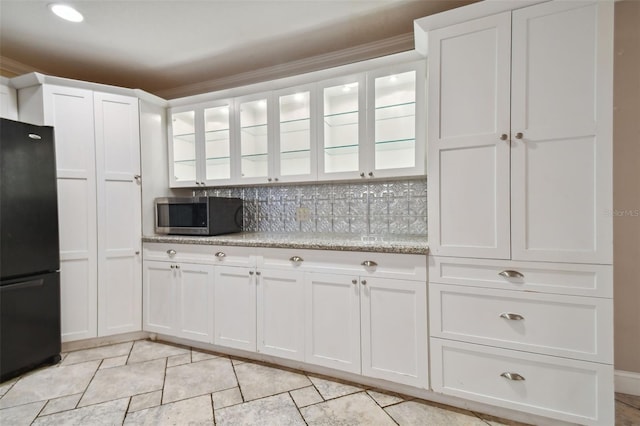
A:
[381,246]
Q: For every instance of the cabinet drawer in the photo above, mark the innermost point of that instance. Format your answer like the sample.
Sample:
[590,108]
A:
[569,326]
[565,389]
[196,253]
[387,265]
[559,278]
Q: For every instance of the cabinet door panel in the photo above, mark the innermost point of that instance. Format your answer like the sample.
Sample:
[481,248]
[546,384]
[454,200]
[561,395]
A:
[159,297]
[561,174]
[281,314]
[332,321]
[70,111]
[196,302]
[117,139]
[394,331]
[468,162]
[234,308]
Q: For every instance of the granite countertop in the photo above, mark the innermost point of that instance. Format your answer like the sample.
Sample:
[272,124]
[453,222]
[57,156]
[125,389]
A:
[405,244]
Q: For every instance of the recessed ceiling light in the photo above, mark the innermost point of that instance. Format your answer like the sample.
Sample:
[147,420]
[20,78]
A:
[66,12]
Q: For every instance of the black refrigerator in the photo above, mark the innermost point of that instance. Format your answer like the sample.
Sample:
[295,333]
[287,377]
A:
[29,249]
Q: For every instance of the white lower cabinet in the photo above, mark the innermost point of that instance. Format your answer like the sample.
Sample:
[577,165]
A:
[560,388]
[332,321]
[394,330]
[178,300]
[280,313]
[235,307]
[368,325]
[369,319]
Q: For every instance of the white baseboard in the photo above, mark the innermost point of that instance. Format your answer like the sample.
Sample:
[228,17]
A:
[627,382]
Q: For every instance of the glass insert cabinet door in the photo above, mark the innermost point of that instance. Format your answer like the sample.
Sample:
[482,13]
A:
[254,139]
[184,146]
[295,135]
[392,120]
[342,114]
[217,138]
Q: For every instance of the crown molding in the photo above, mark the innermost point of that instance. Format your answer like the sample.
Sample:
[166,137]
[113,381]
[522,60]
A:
[400,43]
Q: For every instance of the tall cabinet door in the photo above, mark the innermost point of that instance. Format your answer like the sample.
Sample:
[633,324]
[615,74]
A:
[70,111]
[468,127]
[117,139]
[561,132]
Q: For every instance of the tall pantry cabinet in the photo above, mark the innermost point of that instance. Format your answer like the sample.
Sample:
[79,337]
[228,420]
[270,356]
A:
[520,186]
[98,165]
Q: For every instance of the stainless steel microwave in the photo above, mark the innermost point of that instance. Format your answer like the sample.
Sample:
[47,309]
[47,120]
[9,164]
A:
[198,215]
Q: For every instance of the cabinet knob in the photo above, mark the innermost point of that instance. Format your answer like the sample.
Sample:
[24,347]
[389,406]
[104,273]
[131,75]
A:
[363,282]
[296,259]
[362,174]
[519,135]
[137,178]
[173,266]
[369,264]
[250,272]
[177,266]
[512,376]
[269,179]
[220,255]
[504,137]
[258,273]
[276,179]
[137,252]
[512,317]
[354,281]
[511,274]
[171,252]
[371,174]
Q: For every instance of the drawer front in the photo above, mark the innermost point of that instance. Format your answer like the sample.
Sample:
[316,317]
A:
[568,326]
[202,254]
[384,265]
[558,278]
[565,389]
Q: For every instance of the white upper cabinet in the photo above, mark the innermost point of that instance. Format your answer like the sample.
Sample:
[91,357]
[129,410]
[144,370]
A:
[395,140]
[254,125]
[8,102]
[354,127]
[294,153]
[342,133]
[520,136]
[201,143]
[561,121]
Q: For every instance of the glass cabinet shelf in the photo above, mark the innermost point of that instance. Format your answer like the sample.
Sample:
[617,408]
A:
[389,112]
[299,153]
[298,125]
[395,145]
[186,162]
[218,160]
[217,135]
[187,137]
[341,149]
[257,130]
[255,157]
[341,119]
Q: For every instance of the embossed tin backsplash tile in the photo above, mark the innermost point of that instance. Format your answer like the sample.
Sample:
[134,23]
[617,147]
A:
[367,208]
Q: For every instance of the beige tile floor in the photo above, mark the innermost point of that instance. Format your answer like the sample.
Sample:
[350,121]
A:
[150,383]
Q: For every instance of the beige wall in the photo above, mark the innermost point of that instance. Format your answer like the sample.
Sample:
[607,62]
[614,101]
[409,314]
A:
[626,185]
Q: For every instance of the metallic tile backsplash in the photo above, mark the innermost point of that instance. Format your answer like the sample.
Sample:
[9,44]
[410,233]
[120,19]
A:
[368,208]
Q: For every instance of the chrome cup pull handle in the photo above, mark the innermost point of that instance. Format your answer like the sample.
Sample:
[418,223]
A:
[511,274]
[512,376]
[220,255]
[296,259]
[512,317]
[369,263]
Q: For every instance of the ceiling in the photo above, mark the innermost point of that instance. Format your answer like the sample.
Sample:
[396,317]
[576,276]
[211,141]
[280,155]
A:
[170,47]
